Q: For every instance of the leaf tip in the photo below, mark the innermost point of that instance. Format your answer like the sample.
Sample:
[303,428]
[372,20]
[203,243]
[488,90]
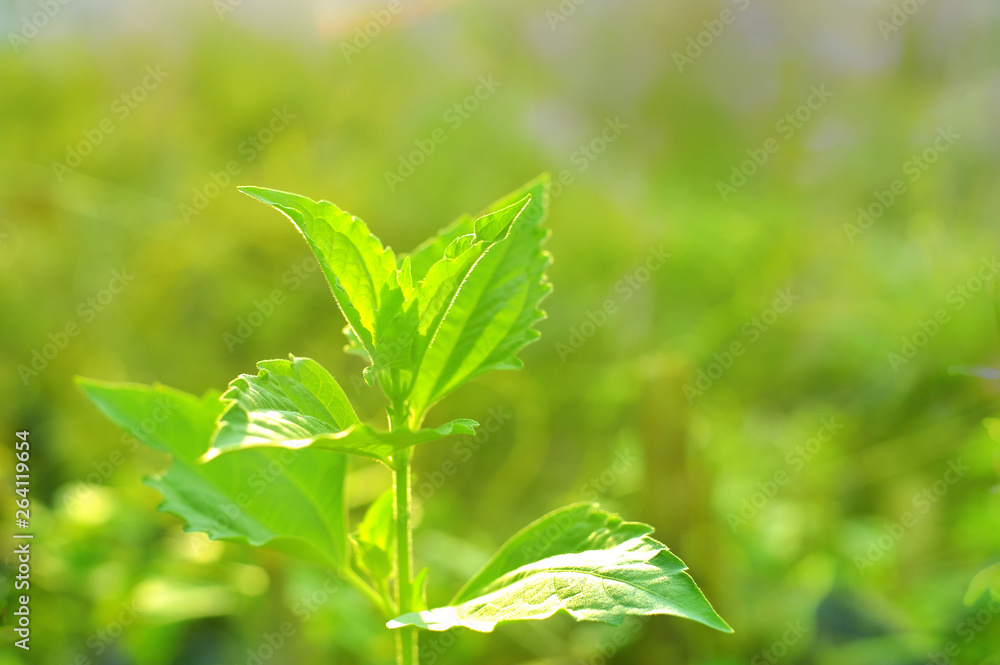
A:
[251,190]
[412,619]
[465,426]
[209,455]
[720,625]
[271,197]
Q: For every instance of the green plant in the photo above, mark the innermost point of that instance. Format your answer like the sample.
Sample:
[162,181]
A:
[463,303]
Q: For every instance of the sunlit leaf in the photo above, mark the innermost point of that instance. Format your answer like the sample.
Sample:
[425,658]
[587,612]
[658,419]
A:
[491,313]
[360,271]
[575,528]
[618,571]
[431,251]
[297,404]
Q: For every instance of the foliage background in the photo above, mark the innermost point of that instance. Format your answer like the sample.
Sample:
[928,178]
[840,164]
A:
[115,582]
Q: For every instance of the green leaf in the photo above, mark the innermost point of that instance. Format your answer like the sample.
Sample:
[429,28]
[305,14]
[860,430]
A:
[363,440]
[296,404]
[580,560]
[445,276]
[407,332]
[288,400]
[492,314]
[462,303]
[419,602]
[290,501]
[375,537]
[354,345]
[575,528]
[436,291]
[985,580]
[430,251]
[406,277]
[537,185]
[360,271]
[538,189]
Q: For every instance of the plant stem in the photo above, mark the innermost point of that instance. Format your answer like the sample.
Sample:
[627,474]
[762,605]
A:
[406,638]
[407,652]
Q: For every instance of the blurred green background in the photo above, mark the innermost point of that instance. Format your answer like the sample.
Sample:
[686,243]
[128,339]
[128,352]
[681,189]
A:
[780,469]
